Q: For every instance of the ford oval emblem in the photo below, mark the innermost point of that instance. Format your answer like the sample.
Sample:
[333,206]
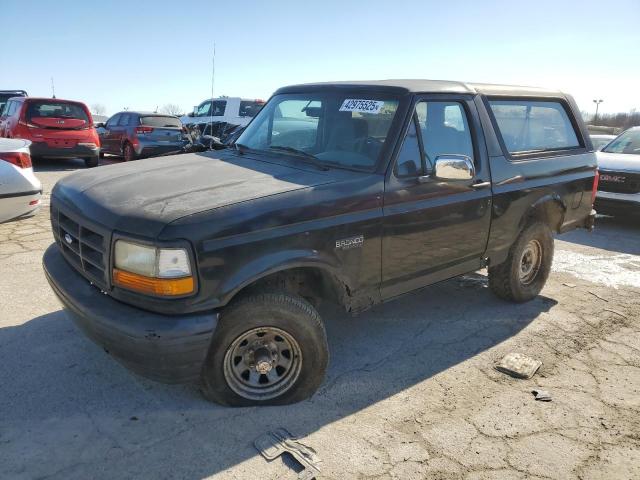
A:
[68,238]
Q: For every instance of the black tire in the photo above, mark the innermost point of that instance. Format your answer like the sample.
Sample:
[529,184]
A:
[283,312]
[101,154]
[509,279]
[128,153]
[91,162]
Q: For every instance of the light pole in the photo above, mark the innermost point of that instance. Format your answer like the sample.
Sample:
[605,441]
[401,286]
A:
[597,102]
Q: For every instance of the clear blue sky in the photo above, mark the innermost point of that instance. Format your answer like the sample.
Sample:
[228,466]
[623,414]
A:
[142,54]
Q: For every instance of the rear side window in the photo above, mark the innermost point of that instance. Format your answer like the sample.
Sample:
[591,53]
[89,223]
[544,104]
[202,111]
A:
[53,109]
[160,121]
[534,126]
[250,108]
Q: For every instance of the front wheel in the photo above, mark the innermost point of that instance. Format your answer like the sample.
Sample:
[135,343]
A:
[268,349]
[524,273]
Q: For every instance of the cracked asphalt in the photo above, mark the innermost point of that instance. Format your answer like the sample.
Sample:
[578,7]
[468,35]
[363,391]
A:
[411,391]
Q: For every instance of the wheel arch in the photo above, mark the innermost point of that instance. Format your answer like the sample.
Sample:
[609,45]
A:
[313,278]
[549,209]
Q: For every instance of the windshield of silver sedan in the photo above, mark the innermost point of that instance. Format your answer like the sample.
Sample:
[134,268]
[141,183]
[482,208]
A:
[627,142]
[332,129]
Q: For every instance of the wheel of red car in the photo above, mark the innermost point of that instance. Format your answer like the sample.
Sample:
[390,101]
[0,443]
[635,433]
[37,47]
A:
[128,152]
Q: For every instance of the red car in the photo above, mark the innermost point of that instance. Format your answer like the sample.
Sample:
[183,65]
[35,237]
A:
[57,128]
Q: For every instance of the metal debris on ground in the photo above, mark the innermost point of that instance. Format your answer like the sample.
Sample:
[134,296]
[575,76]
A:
[518,365]
[598,296]
[273,444]
[542,395]
[616,312]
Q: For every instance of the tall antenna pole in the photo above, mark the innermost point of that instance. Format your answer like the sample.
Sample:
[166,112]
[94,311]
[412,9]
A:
[213,82]
[53,89]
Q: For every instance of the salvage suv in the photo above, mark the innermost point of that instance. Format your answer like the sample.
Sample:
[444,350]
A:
[211,267]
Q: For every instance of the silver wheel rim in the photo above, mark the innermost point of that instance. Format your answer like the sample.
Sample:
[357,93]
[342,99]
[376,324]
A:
[262,363]
[530,262]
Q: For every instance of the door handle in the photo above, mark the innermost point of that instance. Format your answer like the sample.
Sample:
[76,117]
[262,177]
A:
[481,185]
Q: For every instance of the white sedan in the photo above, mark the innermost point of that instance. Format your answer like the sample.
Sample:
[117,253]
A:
[20,190]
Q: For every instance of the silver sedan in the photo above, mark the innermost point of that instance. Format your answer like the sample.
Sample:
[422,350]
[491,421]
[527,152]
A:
[20,190]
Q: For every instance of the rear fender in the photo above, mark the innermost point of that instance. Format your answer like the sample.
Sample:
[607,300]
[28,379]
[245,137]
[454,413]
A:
[549,209]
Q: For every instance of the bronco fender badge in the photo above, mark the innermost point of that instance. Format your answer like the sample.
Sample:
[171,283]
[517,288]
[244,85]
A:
[349,243]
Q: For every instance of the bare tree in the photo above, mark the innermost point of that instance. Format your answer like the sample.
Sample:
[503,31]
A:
[98,109]
[172,109]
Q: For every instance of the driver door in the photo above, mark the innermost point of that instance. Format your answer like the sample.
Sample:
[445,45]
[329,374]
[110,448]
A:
[435,228]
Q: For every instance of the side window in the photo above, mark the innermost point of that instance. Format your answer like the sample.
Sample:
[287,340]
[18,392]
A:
[124,120]
[203,109]
[113,121]
[6,109]
[11,108]
[218,108]
[528,126]
[409,163]
[444,129]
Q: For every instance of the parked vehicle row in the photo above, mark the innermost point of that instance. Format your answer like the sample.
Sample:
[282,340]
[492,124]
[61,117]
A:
[58,128]
[211,269]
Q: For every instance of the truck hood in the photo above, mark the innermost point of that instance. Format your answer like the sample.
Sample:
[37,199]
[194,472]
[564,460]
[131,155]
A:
[142,197]
[618,161]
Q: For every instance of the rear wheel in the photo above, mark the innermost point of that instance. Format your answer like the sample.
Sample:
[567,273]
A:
[524,273]
[128,152]
[268,349]
[91,162]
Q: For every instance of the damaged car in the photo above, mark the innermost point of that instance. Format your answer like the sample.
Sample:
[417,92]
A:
[209,267]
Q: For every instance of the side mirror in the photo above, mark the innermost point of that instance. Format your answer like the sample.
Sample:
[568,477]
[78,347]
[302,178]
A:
[454,167]
[99,125]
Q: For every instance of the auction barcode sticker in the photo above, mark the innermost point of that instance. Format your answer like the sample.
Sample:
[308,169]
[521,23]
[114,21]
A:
[361,106]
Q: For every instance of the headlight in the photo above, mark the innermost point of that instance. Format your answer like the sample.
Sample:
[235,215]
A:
[151,270]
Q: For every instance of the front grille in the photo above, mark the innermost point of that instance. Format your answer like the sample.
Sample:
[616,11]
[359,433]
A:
[84,246]
[626,182]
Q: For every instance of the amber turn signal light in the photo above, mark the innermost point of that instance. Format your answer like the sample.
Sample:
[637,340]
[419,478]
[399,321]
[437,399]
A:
[166,287]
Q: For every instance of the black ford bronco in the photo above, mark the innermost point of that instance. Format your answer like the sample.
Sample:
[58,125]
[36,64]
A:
[209,267]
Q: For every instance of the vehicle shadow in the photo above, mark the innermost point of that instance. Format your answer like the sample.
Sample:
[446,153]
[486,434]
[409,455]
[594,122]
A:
[70,411]
[68,164]
[616,234]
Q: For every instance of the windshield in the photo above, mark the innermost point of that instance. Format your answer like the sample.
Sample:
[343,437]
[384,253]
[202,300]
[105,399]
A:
[341,129]
[600,141]
[627,142]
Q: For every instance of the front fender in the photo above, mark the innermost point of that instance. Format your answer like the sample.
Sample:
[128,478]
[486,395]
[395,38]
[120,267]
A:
[263,266]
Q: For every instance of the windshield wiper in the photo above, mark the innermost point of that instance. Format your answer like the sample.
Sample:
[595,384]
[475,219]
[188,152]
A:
[312,158]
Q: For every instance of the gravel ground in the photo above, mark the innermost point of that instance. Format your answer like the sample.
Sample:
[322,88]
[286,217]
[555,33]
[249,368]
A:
[411,391]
